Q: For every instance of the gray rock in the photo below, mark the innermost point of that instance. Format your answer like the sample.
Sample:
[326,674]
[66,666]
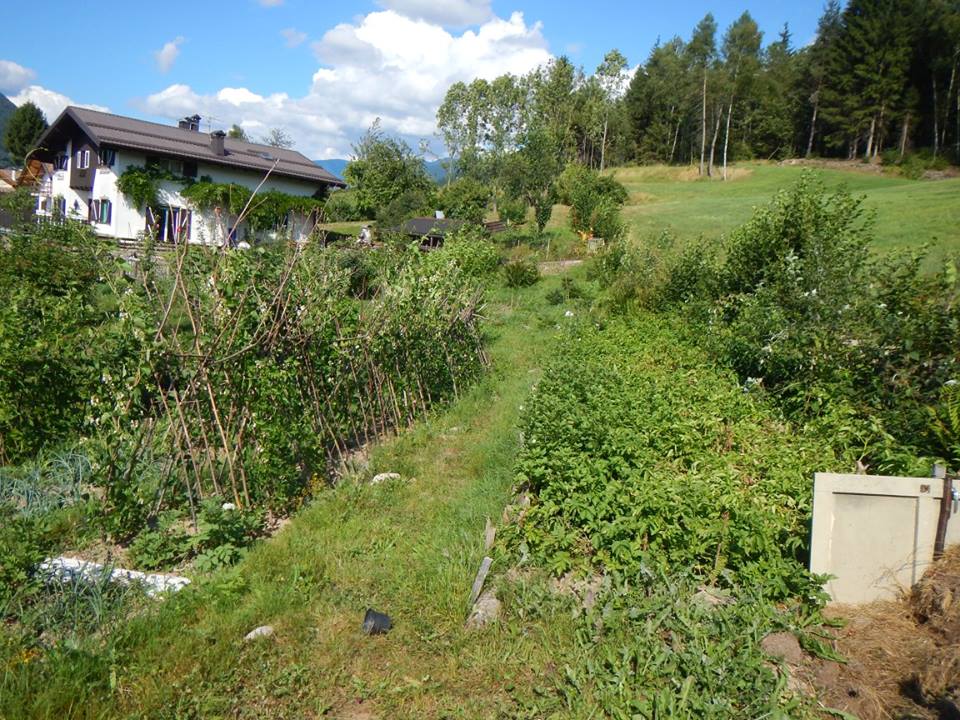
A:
[383,477]
[489,536]
[257,633]
[712,596]
[485,611]
[783,646]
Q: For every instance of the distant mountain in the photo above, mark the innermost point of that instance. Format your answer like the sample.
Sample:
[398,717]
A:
[333,166]
[336,166]
[6,110]
[436,170]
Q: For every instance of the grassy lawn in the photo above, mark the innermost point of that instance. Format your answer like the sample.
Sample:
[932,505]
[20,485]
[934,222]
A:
[909,212]
[409,548]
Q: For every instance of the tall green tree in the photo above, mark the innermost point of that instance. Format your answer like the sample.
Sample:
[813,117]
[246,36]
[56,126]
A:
[775,103]
[383,169]
[553,87]
[531,172]
[24,128]
[658,103]
[702,50]
[612,78]
[279,138]
[741,59]
[875,47]
[237,133]
[822,58]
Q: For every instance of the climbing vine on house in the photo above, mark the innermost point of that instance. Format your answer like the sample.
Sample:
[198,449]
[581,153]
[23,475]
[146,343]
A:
[141,184]
[265,211]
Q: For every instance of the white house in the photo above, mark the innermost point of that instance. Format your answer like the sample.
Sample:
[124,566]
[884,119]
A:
[90,150]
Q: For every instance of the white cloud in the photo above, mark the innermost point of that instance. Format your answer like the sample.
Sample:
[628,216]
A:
[14,77]
[293,36]
[451,13]
[270,3]
[384,65]
[50,102]
[167,55]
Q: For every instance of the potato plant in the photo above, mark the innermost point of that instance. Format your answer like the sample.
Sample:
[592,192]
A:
[639,453]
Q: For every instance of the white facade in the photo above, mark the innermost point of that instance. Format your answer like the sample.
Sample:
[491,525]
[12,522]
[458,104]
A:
[129,222]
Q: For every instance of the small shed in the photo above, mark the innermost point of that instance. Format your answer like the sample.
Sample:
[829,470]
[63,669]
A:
[430,231]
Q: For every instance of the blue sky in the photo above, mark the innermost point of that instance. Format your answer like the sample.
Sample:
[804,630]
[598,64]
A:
[324,71]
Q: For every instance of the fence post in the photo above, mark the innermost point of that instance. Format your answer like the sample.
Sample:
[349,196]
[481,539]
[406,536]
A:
[939,471]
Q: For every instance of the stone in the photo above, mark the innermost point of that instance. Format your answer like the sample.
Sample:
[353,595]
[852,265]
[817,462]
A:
[257,633]
[783,646]
[485,611]
[383,477]
[712,596]
[584,590]
[489,536]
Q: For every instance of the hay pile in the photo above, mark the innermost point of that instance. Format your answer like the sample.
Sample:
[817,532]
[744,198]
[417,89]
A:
[903,658]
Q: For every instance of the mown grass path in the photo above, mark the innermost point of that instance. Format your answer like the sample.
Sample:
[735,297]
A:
[409,548]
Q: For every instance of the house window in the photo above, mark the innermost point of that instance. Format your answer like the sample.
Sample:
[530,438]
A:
[183,168]
[60,206]
[101,211]
[108,158]
[83,159]
[169,224]
[62,162]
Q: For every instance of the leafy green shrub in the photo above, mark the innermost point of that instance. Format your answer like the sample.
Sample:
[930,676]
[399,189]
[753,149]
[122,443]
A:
[164,545]
[361,270]
[521,273]
[858,346]
[568,290]
[339,207]
[223,532]
[141,184]
[23,545]
[945,422]
[465,199]
[512,211]
[914,164]
[594,201]
[542,211]
[469,252]
[53,317]
[411,203]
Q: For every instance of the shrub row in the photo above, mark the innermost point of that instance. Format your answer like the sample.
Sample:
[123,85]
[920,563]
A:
[794,300]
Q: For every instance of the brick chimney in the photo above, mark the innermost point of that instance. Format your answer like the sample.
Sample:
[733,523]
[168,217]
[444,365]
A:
[216,142]
[191,122]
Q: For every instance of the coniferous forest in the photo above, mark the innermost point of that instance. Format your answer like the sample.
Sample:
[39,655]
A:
[879,80]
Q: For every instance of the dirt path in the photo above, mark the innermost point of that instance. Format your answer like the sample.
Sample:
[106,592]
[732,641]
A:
[554,267]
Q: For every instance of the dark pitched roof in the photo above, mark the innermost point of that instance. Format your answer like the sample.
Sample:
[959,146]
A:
[430,227]
[123,132]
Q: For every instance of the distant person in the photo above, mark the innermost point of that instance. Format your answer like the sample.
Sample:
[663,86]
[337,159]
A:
[365,237]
